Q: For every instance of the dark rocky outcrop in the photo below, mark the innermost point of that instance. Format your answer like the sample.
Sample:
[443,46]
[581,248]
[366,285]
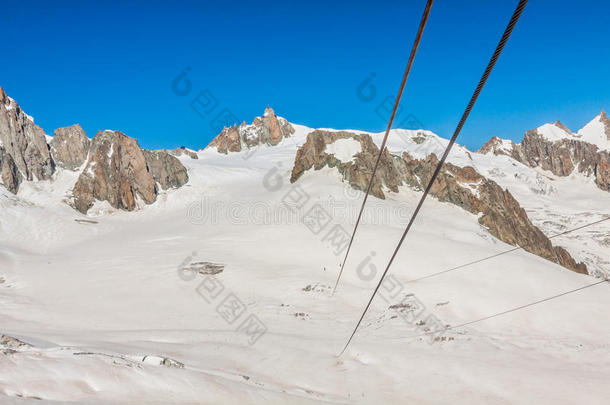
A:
[499,211]
[115,172]
[564,156]
[10,345]
[603,117]
[70,147]
[119,172]
[25,142]
[357,172]
[116,169]
[166,169]
[561,157]
[268,130]
[498,146]
[182,151]
[9,174]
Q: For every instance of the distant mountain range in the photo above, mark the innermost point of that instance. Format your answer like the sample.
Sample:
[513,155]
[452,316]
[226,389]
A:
[113,169]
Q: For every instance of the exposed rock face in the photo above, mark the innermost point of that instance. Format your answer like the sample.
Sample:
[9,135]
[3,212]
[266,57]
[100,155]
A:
[70,147]
[119,172]
[564,156]
[498,146]
[166,169]
[606,121]
[9,174]
[501,213]
[313,153]
[116,172]
[559,124]
[182,151]
[561,157]
[10,345]
[462,186]
[24,141]
[268,130]
[535,150]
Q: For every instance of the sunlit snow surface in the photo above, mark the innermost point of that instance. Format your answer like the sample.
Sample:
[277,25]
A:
[344,149]
[594,133]
[94,297]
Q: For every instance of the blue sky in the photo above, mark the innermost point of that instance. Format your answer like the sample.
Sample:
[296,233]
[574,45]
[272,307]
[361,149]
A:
[111,66]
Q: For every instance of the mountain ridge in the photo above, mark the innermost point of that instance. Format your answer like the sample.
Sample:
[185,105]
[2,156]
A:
[112,168]
[553,147]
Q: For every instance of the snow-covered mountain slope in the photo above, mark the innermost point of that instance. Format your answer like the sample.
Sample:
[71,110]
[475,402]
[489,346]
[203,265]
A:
[101,299]
[554,148]
[554,203]
[597,132]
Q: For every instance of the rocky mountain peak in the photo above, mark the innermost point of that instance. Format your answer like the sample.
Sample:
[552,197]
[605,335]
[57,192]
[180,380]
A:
[354,160]
[117,170]
[70,146]
[555,148]
[182,151]
[25,143]
[497,209]
[497,146]
[120,172]
[268,129]
[559,124]
[603,118]
[5,100]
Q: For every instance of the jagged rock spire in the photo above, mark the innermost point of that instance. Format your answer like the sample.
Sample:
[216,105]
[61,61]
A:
[268,129]
[25,142]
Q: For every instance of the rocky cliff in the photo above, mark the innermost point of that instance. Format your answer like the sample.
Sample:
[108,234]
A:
[498,210]
[165,169]
[463,186]
[266,130]
[122,174]
[116,170]
[25,143]
[564,156]
[70,147]
[182,151]
[9,174]
[357,171]
[555,148]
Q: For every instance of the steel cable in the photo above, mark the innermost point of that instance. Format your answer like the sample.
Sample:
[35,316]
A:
[508,311]
[461,266]
[420,31]
[507,32]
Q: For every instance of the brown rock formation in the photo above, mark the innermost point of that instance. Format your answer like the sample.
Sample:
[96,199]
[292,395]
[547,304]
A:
[561,157]
[462,186]
[119,172]
[229,140]
[182,151]
[115,172]
[498,146]
[535,150]
[268,129]
[357,172]
[501,212]
[24,141]
[559,124]
[606,121]
[70,147]
[9,174]
[165,169]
